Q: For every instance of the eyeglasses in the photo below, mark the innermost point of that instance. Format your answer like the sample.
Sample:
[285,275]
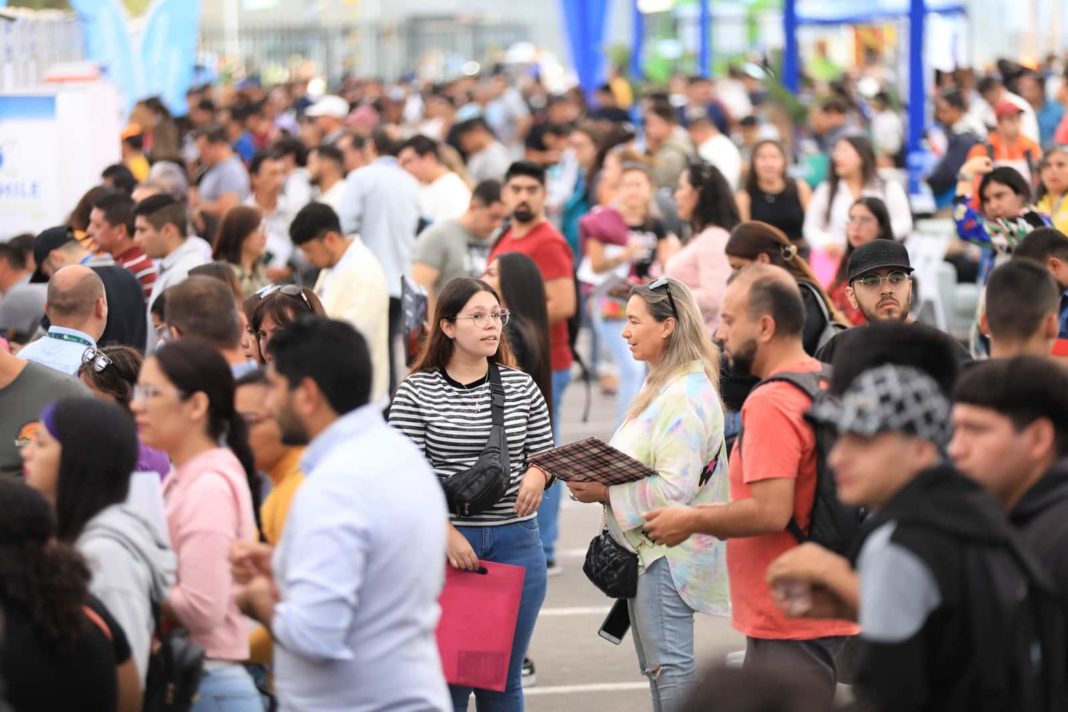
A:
[290,290]
[149,392]
[666,284]
[99,360]
[481,320]
[874,281]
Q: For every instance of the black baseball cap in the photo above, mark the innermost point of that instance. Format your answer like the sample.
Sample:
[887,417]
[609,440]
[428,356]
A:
[879,254]
[51,239]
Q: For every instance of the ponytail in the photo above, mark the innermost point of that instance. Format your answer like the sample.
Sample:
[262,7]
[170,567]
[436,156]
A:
[237,441]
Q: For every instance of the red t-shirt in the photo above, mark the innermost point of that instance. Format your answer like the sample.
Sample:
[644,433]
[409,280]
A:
[138,263]
[547,247]
[777,443]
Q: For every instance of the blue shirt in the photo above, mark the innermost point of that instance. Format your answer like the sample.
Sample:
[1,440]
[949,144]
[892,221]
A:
[360,568]
[382,205]
[1049,118]
[60,349]
[1063,317]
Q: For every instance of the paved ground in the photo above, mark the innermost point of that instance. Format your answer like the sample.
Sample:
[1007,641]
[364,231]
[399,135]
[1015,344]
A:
[576,669]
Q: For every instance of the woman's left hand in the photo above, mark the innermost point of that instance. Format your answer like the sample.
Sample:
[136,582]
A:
[588,492]
[531,490]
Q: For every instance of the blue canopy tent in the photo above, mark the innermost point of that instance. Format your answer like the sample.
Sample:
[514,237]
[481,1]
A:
[850,12]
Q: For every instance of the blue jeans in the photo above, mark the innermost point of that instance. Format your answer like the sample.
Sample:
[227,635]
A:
[227,689]
[662,624]
[517,544]
[549,512]
[631,372]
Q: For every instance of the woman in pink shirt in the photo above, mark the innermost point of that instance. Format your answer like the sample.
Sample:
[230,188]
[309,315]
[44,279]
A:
[705,200]
[184,405]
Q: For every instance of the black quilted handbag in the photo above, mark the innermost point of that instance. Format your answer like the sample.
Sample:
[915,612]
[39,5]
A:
[611,568]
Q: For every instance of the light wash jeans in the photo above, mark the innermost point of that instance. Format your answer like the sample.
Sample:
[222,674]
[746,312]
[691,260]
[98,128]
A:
[517,544]
[662,624]
[549,512]
[227,689]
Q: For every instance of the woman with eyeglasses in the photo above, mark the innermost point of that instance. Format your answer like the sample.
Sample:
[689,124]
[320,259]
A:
[445,407]
[271,308]
[704,200]
[868,221]
[130,560]
[184,405]
[675,427]
[242,242]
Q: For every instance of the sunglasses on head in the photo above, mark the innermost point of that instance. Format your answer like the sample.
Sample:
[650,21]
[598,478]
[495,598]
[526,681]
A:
[666,284]
[290,290]
[99,360]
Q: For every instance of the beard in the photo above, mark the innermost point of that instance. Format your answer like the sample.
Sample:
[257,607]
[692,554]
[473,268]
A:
[877,314]
[292,428]
[741,361]
[523,214]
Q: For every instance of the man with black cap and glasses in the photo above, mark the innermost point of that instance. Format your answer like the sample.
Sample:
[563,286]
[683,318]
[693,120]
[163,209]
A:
[57,247]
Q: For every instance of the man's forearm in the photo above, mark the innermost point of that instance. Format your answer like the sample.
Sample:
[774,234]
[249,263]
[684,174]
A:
[743,518]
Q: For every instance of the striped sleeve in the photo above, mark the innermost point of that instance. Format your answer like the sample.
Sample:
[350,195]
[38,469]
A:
[404,413]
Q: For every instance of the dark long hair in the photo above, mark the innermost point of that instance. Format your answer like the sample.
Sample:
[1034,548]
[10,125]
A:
[239,222]
[886,231]
[754,238]
[752,185]
[88,485]
[47,579]
[117,379]
[282,308]
[868,171]
[454,296]
[1008,177]
[715,200]
[194,366]
[523,292]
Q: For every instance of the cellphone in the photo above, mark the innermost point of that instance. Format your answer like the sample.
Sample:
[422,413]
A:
[617,623]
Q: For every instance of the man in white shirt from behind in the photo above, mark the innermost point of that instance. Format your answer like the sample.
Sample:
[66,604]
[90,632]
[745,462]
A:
[717,149]
[352,284]
[442,193]
[326,168]
[77,308]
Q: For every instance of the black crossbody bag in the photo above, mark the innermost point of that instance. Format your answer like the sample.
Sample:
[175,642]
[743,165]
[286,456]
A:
[478,488]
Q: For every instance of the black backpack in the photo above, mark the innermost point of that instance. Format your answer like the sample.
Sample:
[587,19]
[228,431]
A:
[832,524]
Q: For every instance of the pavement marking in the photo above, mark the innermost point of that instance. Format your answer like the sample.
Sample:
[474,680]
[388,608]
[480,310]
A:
[575,611]
[598,687]
[572,553]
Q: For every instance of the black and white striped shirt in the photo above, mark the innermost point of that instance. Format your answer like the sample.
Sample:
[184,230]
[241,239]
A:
[450,422]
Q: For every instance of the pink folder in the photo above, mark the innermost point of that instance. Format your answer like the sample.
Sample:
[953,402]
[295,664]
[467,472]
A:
[477,627]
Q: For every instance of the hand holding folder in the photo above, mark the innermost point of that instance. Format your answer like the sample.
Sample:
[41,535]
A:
[591,460]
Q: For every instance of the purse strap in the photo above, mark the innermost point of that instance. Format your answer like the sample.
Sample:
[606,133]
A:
[497,438]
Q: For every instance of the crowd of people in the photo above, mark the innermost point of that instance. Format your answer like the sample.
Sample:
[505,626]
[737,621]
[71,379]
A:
[214,406]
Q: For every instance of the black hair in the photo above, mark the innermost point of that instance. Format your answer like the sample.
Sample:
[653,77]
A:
[476,124]
[1009,177]
[121,177]
[523,294]
[1041,244]
[1020,294]
[255,377]
[749,121]
[487,192]
[665,111]
[215,134]
[194,366]
[118,209]
[988,83]
[47,579]
[329,352]
[769,295]
[833,105]
[313,222]
[88,485]
[917,345]
[384,143]
[12,255]
[161,209]
[716,205]
[259,158]
[528,169]
[868,172]
[136,142]
[1023,389]
[331,153]
[292,146]
[955,98]
[422,145]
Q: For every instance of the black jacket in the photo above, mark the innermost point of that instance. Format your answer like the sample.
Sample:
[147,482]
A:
[1040,519]
[127,313]
[944,177]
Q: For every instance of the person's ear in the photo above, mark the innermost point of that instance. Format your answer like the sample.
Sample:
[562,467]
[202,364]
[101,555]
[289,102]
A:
[197,405]
[851,295]
[307,397]
[1053,326]
[984,325]
[1040,439]
[763,258]
[667,327]
[767,328]
[448,327]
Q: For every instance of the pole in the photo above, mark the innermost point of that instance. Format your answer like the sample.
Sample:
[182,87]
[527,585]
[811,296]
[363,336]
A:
[704,55]
[917,92]
[791,63]
[637,38]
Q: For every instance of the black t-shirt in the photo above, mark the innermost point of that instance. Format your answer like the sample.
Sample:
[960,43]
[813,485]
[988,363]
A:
[39,676]
[127,324]
[650,233]
[826,354]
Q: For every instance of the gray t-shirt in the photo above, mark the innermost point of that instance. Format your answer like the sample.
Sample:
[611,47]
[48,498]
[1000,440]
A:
[229,176]
[448,247]
[21,403]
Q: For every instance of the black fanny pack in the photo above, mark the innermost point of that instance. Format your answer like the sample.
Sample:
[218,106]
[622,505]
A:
[478,488]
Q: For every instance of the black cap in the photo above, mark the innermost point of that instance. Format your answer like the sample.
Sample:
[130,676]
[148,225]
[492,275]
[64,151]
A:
[51,239]
[879,254]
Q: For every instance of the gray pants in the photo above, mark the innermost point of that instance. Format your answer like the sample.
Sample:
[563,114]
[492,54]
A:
[814,659]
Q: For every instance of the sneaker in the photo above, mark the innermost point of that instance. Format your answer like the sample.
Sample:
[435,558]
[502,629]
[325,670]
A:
[552,568]
[528,677]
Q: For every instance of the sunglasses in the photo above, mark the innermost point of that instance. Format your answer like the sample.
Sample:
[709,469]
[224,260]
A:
[99,360]
[666,284]
[290,290]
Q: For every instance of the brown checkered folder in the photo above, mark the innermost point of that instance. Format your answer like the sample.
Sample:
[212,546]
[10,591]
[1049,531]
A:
[591,460]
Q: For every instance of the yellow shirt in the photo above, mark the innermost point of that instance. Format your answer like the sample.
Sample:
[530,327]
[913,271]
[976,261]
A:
[1057,209]
[286,477]
[138,165]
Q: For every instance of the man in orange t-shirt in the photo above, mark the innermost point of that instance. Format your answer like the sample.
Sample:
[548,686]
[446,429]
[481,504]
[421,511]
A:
[772,478]
[1007,145]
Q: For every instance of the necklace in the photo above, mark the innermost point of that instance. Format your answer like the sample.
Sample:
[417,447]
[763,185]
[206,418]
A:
[473,389]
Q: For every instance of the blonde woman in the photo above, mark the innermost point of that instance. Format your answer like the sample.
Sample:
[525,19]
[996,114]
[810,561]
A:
[675,427]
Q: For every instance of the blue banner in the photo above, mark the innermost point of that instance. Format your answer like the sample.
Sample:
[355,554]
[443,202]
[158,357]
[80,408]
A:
[106,34]
[169,50]
[585,23]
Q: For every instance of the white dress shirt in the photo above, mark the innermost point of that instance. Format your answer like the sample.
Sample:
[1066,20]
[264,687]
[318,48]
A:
[359,571]
[60,349]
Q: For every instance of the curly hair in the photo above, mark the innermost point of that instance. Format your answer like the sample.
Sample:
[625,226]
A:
[46,579]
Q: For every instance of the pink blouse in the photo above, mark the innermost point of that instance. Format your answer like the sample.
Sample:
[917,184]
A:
[209,506]
[702,266]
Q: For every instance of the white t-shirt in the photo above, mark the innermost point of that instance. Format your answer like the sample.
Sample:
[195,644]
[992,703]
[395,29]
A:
[721,152]
[445,198]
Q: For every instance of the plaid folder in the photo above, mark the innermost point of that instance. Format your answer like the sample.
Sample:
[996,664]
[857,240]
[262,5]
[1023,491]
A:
[591,460]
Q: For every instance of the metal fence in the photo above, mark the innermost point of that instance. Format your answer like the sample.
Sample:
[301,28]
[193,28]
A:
[33,42]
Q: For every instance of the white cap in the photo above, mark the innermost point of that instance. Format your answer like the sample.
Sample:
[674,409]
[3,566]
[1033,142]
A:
[329,105]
